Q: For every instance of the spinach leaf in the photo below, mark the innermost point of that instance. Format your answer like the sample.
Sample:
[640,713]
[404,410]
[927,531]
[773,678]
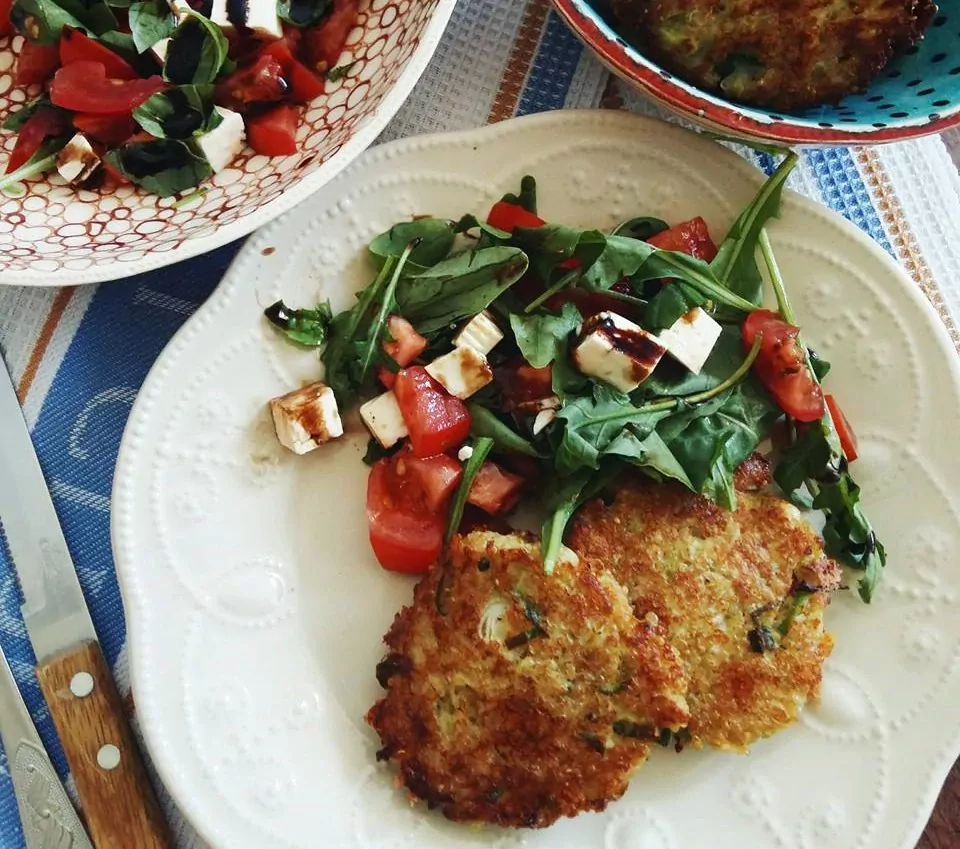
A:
[481,448]
[484,422]
[42,21]
[151,21]
[489,235]
[542,338]
[303,326]
[180,112]
[163,167]
[15,120]
[461,285]
[567,378]
[436,237]
[651,454]
[197,52]
[670,304]
[641,228]
[672,379]
[304,13]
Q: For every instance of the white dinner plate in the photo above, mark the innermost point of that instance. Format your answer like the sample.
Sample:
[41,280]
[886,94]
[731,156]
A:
[255,608]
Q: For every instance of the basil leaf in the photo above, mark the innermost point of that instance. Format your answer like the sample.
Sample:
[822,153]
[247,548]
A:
[179,113]
[303,326]
[151,21]
[543,338]
[304,13]
[643,228]
[436,237]
[15,120]
[163,167]
[486,423]
[461,285]
[197,52]
[95,15]
[122,43]
[42,21]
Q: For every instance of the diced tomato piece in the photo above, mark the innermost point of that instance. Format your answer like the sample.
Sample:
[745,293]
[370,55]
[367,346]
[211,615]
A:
[404,347]
[493,490]
[848,439]
[36,63]
[781,365]
[436,477]
[43,124]
[85,87]
[523,386]
[6,27]
[406,542]
[324,43]
[274,132]
[691,237]
[260,82]
[305,85]
[436,421]
[76,46]
[508,216]
[107,128]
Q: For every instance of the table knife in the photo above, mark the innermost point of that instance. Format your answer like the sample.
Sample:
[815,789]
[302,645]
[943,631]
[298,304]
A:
[116,799]
[48,818]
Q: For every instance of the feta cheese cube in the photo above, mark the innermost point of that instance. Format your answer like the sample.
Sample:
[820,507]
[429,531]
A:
[461,372]
[306,418]
[480,333]
[260,16]
[383,419]
[223,143]
[77,160]
[691,338]
[613,349]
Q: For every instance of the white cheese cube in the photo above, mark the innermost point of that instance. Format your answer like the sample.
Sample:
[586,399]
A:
[461,372]
[77,160]
[613,349]
[544,417]
[691,338]
[480,333]
[223,143]
[383,419]
[306,418]
[260,16]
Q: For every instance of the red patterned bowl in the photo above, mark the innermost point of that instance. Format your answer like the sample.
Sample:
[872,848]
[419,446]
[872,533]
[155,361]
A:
[56,235]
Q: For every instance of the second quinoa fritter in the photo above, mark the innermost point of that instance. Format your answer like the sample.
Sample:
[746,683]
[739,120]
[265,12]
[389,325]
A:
[787,55]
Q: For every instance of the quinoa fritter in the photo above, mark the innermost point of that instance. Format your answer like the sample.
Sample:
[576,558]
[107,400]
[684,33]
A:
[515,697]
[786,55]
[721,585]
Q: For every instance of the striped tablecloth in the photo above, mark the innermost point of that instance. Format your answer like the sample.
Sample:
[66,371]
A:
[80,355]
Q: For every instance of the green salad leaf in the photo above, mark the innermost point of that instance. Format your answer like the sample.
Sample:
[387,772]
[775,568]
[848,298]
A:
[484,422]
[197,52]
[150,21]
[304,13]
[42,21]
[304,326]
[542,338]
[163,167]
[434,240]
[179,112]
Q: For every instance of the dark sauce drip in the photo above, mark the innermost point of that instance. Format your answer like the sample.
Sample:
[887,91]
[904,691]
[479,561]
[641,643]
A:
[638,345]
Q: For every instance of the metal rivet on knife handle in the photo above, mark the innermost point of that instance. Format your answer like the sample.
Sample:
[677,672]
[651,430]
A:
[81,685]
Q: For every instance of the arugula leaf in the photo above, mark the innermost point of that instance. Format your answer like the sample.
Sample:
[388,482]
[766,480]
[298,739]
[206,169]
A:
[435,236]
[42,21]
[179,112]
[643,227]
[163,167]
[459,286]
[543,338]
[15,120]
[670,304]
[379,323]
[43,160]
[567,378]
[484,422]
[197,52]
[304,13]
[303,326]
[650,454]
[150,21]
[481,448]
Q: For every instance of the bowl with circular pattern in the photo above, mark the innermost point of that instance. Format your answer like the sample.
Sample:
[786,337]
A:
[916,94]
[55,234]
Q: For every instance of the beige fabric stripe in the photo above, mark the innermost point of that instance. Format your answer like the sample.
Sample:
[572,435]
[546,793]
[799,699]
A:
[521,58]
[43,340]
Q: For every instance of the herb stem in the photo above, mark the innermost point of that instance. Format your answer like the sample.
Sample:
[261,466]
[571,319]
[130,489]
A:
[714,290]
[31,168]
[481,448]
[776,278]
[386,302]
[561,284]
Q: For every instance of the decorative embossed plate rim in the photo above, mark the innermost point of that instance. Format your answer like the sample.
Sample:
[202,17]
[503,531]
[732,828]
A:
[255,610]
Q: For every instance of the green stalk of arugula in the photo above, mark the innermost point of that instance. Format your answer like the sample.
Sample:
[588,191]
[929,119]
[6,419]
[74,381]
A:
[45,159]
[560,285]
[481,448]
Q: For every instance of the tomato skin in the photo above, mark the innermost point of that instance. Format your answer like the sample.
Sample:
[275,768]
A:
[324,43]
[85,87]
[848,439]
[274,133]
[690,237]
[508,216]
[436,421]
[405,346]
[107,128]
[494,490]
[781,366]
[435,477]
[76,46]
[260,82]
[36,63]
[524,387]
[305,85]
[6,26]
[43,124]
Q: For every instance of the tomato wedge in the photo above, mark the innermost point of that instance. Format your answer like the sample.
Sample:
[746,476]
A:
[110,128]
[781,366]
[848,439]
[436,421]
[404,346]
[435,477]
[36,63]
[85,87]
[260,82]
[325,43]
[305,85]
[274,132]
[494,490]
[76,46]
[43,124]
[691,237]
[508,216]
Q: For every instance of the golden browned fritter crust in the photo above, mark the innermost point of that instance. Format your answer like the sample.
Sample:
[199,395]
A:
[786,55]
[515,697]
[721,583]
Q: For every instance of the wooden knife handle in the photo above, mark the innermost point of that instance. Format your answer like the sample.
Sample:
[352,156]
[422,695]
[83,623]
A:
[118,803]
